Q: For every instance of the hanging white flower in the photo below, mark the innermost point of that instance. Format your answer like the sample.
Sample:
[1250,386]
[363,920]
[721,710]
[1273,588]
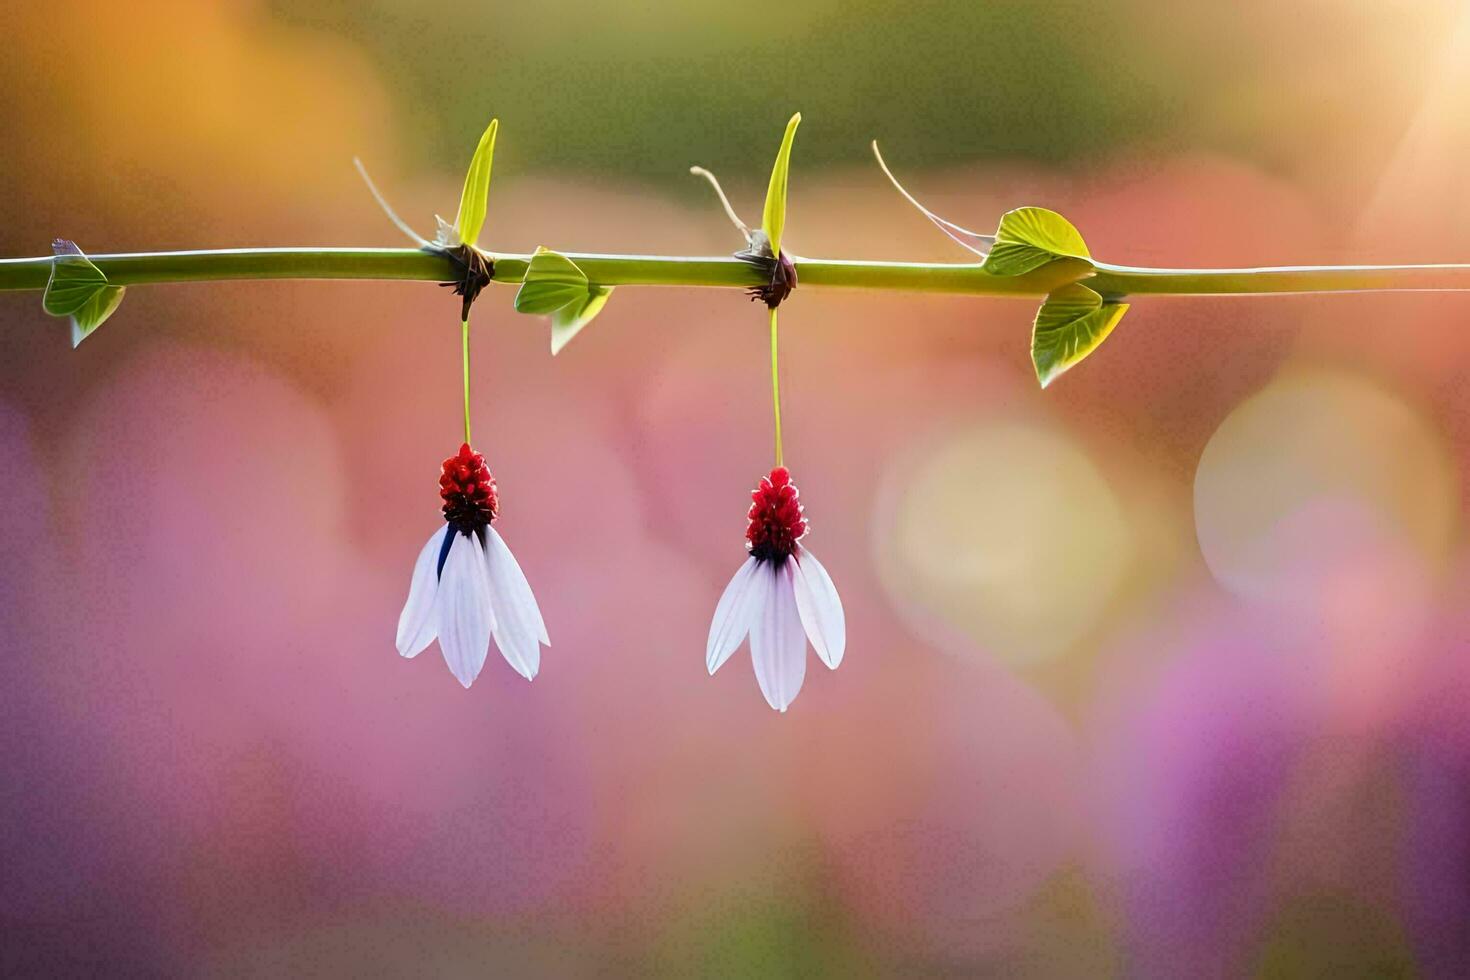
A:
[467,586]
[781,598]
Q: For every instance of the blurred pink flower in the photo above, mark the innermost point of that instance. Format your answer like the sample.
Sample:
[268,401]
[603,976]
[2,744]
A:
[463,593]
[780,604]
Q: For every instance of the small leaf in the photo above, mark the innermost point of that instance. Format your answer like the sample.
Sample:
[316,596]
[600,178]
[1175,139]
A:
[476,193]
[1029,238]
[773,220]
[552,281]
[553,285]
[79,290]
[568,321]
[1072,322]
[74,280]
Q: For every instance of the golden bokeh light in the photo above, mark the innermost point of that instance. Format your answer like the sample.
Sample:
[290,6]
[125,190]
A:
[1009,534]
[1317,473]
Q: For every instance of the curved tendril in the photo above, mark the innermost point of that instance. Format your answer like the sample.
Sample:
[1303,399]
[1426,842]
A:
[720,191]
[402,225]
[951,229]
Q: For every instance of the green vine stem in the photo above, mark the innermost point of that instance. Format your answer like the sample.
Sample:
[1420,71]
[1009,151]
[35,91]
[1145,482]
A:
[427,265]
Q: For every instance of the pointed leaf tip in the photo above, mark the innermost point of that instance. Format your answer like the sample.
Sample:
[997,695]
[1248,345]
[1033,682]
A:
[773,219]
[1070,325]
[78,289]
[95,312]
[474,199]
[1029,238]
[568,321]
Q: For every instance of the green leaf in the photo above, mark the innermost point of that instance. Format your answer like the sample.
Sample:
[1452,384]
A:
[552,281]
[554,286]
[1029,238]
[568,321]
[74,280]
[94,312]
[1072,322]
[773,220]
[79,290]
[476,193]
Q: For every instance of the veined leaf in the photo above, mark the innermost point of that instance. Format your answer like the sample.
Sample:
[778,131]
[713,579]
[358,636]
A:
[79,290]
[94,312]
[1072,322]
[552,281]
[568,321]
[554,286]
[473,199]
[74,280]
[1029,238]
[773,219]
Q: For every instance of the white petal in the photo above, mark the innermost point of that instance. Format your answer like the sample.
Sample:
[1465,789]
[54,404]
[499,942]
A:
[820,608]
[464,613]
[416,624]
[777,643]
[733,615]
[519,626]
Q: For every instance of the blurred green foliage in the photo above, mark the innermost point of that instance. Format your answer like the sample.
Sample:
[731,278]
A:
[647,89]
[644,89]
[1329,935]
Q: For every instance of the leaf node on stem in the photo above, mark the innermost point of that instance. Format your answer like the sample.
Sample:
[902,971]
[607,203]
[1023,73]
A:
[475,271]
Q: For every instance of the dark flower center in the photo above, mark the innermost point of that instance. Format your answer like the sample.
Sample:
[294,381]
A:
[776,523]
[468,489]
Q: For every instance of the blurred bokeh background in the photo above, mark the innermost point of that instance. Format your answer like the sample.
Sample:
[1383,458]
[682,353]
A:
[1161,673]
